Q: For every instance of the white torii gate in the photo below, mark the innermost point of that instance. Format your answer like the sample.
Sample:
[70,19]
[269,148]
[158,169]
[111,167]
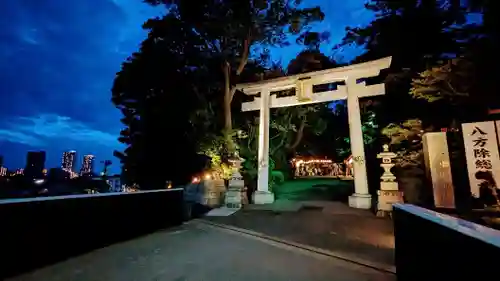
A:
[303,83]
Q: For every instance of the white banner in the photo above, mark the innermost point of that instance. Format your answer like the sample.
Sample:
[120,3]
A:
[481,150]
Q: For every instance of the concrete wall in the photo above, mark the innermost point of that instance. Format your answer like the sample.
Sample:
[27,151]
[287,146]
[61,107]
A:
[433,246]
[40,231]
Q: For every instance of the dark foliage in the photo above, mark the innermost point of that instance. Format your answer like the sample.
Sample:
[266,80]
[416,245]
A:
[423,34]
[172,93]
[156,92]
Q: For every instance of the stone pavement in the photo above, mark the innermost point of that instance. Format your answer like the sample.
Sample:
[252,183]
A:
[197,251]
[349,233]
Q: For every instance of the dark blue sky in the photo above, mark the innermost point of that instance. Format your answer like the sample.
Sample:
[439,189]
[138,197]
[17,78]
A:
[57,64]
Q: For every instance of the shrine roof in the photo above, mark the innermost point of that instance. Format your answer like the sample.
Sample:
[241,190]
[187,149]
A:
[360,70]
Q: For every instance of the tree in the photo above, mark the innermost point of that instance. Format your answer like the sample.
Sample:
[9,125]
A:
[310,60]
[453,85]
[158,91]
[417,60]
[416,34]
[483,41]
[451,81]
[406,139]
[313,40]
[232,27]
[396,28]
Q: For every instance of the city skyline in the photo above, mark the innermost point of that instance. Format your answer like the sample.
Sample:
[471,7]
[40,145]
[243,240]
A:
[70,160]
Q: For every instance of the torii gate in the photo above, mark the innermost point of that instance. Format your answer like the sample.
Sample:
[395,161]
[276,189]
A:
[303,83]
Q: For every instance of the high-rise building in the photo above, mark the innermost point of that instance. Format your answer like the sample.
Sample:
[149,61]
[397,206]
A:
[87,165]
[68,160]
[3,171]
[35,163]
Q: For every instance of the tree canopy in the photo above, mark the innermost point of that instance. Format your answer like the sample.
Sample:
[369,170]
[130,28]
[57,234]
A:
[155,92]
[396,28]
[423,38]
[176,92]
[178,97]
[231,27]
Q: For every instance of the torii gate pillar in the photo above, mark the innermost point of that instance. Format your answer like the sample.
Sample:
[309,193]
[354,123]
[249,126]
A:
[303,83]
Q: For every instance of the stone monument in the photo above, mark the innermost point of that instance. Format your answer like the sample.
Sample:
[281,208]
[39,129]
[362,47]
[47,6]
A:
[214,192]
[389,192]
[438,168]
[235,194]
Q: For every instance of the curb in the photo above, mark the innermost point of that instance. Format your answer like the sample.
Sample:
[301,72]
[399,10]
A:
[348,258]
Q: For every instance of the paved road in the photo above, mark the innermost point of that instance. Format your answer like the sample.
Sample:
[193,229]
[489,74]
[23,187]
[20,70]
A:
[198,252]
[336,227]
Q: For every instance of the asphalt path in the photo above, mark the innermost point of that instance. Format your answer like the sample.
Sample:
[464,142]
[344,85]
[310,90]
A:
[200,252]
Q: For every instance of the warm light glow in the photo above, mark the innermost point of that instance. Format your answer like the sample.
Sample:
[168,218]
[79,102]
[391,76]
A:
[208,176]
[40,181]
[72,174]
[318,168]
[196,180]
[312,161]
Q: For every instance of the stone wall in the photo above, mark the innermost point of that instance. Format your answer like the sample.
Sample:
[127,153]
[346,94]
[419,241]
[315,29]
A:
[39,231]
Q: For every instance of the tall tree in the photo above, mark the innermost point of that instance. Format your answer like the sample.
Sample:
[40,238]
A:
[416,34]
[483,36]
[397,27]
[157,91]
[232,27]
[453,85]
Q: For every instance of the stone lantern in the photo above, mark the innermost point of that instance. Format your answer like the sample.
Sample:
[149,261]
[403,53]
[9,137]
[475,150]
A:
[235,194]
[389,192]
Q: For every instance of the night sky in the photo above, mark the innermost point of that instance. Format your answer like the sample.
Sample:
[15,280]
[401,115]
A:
[58,60]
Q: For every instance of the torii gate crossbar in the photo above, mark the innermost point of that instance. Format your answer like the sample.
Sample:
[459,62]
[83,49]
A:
[303,83]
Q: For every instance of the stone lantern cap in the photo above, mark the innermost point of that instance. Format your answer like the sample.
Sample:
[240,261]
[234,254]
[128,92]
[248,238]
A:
[386,153]
[236,160]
